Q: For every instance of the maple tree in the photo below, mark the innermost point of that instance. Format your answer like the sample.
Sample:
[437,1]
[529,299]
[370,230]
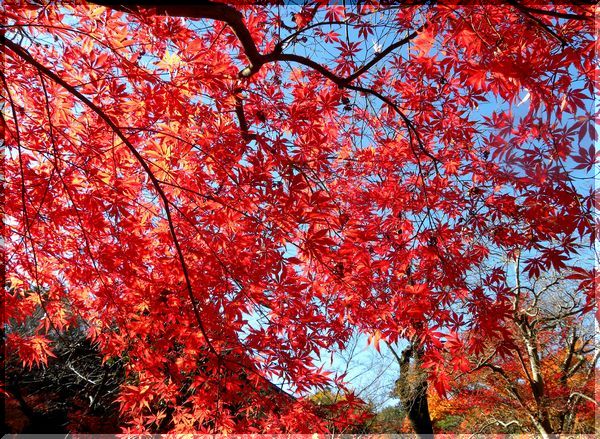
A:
[218,193]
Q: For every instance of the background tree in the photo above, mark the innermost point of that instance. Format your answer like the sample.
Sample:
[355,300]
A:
[76,391]
[540,379]
[544,374]
[345,413]
[223,193]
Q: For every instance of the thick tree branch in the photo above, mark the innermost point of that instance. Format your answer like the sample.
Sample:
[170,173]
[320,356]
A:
[526,12]
[299,59]
[200,10]
[233,18]
[566,364]
[394,353]
[564,15]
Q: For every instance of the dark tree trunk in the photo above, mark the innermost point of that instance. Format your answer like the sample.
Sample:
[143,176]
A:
[418,414]
[411,388]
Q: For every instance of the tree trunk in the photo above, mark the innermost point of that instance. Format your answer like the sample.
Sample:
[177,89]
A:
[536,378]
[544,433]
[411,388]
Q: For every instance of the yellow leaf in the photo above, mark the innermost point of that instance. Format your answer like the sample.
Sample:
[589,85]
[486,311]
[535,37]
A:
[169,62]
[376,338]
[96,12]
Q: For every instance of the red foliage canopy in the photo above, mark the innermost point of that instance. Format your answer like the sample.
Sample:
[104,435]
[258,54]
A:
[218,195]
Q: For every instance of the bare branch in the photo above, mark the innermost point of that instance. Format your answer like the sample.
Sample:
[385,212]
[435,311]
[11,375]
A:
[383,54]
[581,395]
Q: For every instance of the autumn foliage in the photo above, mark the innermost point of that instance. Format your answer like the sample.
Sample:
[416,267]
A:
[216,195]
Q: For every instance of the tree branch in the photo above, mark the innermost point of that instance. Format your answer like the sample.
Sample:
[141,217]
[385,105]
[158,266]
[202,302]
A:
[525,11]
[383,54]
[23,54]
[398,359]
[233,18]
[581,395]
[200,10]
[564,15]
[510,384]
